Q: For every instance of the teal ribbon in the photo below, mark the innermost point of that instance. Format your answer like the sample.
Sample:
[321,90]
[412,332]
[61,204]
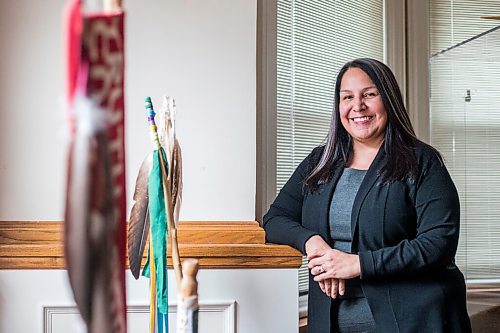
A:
[158,225]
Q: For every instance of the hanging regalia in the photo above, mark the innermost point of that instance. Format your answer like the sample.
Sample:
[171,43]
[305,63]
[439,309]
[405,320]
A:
[95,203]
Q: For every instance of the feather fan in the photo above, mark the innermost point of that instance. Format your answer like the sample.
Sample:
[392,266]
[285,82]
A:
[138,229]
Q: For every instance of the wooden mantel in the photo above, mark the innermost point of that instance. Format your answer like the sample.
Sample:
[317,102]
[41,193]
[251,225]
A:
[239,244]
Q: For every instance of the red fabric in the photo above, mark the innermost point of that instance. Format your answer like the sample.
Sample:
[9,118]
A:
[96,203]
[104,50]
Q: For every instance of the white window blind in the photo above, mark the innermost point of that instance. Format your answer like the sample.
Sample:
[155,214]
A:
[465,123]
[314,40]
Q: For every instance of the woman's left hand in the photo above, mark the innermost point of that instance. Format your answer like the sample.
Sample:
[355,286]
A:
[331,263]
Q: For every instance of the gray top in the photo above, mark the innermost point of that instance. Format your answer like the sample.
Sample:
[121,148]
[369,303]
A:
[341,208]
[340,220]
[351,312]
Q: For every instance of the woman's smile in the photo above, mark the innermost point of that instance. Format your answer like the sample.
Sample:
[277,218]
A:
[362,120]
[362,111]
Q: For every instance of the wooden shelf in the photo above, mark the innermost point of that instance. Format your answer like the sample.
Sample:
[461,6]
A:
[216,244]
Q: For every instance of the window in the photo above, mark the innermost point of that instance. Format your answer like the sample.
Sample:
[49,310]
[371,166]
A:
[314,40]
[465,123]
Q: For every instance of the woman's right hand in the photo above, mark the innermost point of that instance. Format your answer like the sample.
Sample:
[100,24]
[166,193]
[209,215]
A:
[330,287]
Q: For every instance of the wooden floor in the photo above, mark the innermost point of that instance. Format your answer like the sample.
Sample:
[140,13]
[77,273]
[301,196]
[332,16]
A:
[483,305]
[483,297]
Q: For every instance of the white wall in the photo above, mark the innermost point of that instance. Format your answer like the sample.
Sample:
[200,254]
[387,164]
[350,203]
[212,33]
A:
[231,301]
[200,52]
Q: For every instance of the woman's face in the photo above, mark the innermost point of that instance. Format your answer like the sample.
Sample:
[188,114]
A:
[362,111]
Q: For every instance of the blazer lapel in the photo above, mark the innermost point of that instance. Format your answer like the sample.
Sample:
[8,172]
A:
[371,177]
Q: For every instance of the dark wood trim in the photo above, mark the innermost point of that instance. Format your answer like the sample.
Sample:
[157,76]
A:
[266,106]
[238,244]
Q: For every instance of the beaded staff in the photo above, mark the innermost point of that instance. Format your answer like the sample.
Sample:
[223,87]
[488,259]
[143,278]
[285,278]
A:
[167,191]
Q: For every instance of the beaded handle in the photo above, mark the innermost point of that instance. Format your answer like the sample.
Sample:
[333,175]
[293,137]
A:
[153,130]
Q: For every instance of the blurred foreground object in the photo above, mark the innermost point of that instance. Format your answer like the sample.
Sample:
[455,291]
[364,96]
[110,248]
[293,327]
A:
[95,201]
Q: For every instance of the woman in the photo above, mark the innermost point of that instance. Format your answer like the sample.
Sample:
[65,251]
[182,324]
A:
[377,215]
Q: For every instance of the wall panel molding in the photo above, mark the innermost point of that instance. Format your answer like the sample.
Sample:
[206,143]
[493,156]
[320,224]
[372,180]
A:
[52,316]
[225,244]
[58,319]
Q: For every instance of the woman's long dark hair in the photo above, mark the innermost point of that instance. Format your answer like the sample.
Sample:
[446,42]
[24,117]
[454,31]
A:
[399,137]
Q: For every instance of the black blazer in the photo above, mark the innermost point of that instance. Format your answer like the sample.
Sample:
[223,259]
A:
[406,235]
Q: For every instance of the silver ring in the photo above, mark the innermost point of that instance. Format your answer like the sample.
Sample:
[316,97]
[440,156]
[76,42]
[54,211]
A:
[321,269]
